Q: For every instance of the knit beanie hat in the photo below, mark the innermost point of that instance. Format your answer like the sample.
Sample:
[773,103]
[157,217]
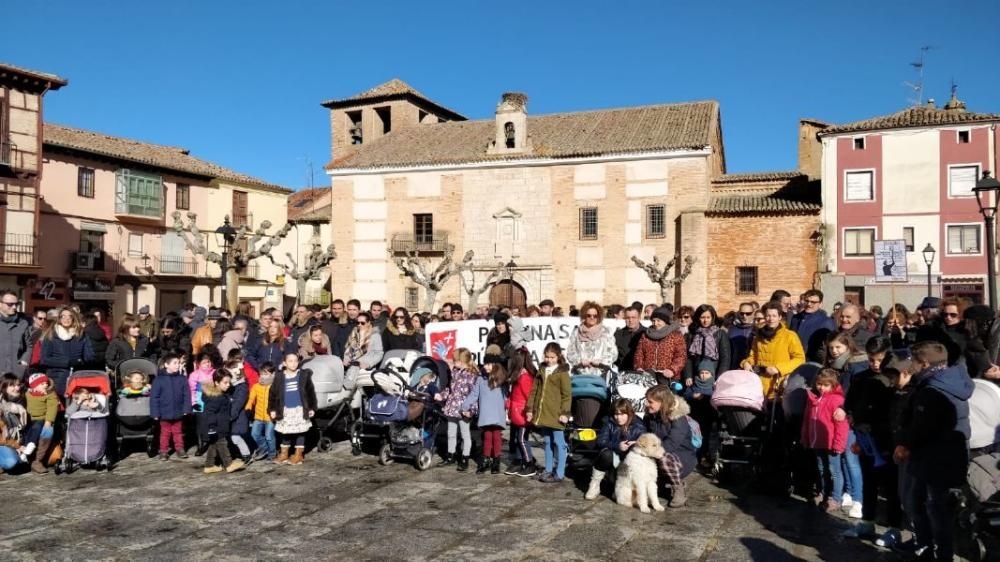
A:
[978,312]
[500,318]
[707,365]
[663,313]
[36,380]
[493,355]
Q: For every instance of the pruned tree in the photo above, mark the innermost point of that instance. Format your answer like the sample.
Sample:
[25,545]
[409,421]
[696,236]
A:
[416,268]
[259,243]
[475,291]
[312,266]
[660,274]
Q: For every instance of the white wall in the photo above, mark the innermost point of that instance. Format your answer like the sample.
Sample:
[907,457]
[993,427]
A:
[911,163]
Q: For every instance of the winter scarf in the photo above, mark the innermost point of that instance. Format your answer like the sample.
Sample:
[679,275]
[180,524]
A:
[357,346]
[63,333]
[590,334]
[703,343]
[657,335]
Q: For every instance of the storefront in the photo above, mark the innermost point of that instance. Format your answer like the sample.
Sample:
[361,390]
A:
[46,293]
[972,288]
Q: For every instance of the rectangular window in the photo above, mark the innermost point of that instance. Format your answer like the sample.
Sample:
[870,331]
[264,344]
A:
[91,242]
[412,295]
[859,242]
[138,194]
[183,197]
[964,239]
[908,238]
[859,143]
[859,186]
[961,180]
[354,129]
[588,223]
[656,221]
[85,182]
[964,136]
[423,228]
[135,245]
[240,209]
[746,280]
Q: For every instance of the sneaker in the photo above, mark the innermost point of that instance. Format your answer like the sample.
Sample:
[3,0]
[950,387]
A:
[213,469]
[259,454]
[237,464]
[861,530]
[182,455]
[164,456]
[548,478]
[513,469]
[906,547]
[889,539]
[527,471]
[846,501]
[855,511]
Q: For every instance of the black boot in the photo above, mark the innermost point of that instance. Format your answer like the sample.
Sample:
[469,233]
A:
[463,463]
[485,465]
[448,459]
[495,468]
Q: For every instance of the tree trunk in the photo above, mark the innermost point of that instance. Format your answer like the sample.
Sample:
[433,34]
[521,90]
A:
[430,296]
[232,289]
[474,300]
[300,290]
[664,294]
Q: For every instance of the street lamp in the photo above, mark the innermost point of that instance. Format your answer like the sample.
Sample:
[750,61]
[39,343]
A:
[510,266]
[929,259]
[987,189]
[225,236]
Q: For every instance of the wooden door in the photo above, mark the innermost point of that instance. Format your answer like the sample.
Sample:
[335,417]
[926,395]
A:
[508,293]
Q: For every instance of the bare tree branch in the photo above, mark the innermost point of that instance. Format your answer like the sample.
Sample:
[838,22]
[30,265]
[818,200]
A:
[413,266]
[660,274]
[475,291]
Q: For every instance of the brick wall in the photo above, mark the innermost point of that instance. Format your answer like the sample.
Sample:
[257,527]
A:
[778,245]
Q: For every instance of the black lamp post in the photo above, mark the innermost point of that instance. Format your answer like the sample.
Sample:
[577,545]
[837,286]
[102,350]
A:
[987,189]
[929,259]
[510,282]
[225,236]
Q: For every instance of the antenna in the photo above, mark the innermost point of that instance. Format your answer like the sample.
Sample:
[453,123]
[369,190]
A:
[918,86]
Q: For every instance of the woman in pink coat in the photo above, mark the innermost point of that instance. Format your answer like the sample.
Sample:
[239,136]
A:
[826,436]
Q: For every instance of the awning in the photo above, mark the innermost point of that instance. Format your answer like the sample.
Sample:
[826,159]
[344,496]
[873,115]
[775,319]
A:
[93,226]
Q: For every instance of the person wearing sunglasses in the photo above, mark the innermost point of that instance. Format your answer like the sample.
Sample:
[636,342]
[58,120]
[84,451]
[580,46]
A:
[364,346]
[740,334]
[15,335]
[944,325]
[812,324]
[399,332]
[591,347]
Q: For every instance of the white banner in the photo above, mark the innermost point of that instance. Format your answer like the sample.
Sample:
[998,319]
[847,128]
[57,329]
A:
[443,338]
[890,261]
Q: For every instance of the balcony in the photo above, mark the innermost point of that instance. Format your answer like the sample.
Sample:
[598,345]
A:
[405,242]
[8,152]
[139,196]
[94,261]
[250,272]
[170,265]
[19,250]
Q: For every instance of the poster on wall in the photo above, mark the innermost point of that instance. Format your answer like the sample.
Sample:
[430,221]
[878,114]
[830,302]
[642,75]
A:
[890,261]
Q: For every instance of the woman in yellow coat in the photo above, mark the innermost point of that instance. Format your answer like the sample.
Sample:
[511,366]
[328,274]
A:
[775,352]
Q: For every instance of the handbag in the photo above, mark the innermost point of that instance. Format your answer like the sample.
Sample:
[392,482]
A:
[386,407]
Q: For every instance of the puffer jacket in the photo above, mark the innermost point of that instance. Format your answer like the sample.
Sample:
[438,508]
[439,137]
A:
[519,393]
[170,398]
[462,383]
[667,353]
[602,351]
[215,418]
[676,435]
[198,379]
[819,430]
[551,397]
[120,350]
[611,434]
[491,403]
[783,352]
[239,423]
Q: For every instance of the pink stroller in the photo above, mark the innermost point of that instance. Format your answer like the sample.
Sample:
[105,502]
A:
[739,399]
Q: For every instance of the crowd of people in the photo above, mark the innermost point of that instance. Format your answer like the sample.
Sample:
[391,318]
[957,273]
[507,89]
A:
[887,414]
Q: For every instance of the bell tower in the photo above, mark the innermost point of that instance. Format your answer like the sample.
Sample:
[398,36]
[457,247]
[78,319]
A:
[511,134]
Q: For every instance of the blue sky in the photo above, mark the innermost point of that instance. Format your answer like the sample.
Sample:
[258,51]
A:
[240,83]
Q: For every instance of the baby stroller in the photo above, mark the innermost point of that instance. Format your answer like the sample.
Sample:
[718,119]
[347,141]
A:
[333,398]
[87,431]
[590,398]
[981,513]
[739,399]
[132,407]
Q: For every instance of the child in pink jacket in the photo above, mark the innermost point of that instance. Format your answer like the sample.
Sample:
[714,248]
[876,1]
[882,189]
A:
[204,368]
[826,436]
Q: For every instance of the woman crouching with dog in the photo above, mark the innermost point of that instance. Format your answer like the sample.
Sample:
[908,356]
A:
[666,416]
[620,431]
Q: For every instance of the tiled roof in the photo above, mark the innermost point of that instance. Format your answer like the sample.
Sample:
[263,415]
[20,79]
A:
[758,176]
[156,155]
[562,135]
[55,82]
[759,204]
[323,214]
[394,88]
[923,116]
[302,201]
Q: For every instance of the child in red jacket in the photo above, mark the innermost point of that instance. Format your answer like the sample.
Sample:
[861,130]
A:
[826,436]
[522,379]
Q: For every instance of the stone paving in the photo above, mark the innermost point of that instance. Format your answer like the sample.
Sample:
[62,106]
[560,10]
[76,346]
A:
[340,507]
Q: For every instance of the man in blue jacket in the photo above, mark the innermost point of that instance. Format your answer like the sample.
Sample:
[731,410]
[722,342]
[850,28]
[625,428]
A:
[933,448]
[813,325]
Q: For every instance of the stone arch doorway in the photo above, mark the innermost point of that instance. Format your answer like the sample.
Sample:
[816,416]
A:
[508,293]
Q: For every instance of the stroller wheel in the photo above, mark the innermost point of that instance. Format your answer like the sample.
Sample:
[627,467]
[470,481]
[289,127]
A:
[385,454]
[355,450]
[70,467]
[424,459]
[325,445]
[58,468]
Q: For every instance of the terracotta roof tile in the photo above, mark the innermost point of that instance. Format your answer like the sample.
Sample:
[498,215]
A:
[758,204]
[758,176]
[302,201]
[156,155]
[562,135]
[913,117]
[323,214]
[765,193]
[394,88]
[56,81]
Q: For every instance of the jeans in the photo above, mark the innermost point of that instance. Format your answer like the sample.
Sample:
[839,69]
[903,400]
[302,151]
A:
[829,464]
[241,445]
[454,425]
[932,509]
[296,439]
[854,483]
[519,445]
[262,433]
[884,479]
[8,458]
[555,438]
[37,430]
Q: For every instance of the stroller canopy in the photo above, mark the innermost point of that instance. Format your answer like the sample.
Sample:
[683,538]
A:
[984,414]
[96,381]
[145,366]
[740,389]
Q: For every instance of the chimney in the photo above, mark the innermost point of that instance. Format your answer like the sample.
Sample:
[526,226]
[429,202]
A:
[930,104]
[511,125]
[810,147]
[955,104]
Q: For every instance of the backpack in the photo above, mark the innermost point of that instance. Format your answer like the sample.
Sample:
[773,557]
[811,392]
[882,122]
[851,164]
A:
[696,438]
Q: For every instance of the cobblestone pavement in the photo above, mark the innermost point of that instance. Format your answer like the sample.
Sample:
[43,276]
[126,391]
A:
[340,507]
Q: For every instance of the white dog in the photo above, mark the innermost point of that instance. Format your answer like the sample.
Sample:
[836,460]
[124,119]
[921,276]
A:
[636,484]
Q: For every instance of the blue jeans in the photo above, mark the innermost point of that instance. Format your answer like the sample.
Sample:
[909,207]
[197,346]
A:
[262,433]
[8,458]
[555,437]
[852,470]
[829,466]
[37,430]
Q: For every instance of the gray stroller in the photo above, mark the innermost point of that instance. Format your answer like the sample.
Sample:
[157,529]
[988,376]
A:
[86,428]
[134,422]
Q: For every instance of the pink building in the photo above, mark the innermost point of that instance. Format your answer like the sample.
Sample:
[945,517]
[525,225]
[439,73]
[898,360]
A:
[907,176]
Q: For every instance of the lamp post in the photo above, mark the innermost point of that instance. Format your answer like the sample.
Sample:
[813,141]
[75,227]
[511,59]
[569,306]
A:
[929,259]
[225,236]
[510,267]
[987,189]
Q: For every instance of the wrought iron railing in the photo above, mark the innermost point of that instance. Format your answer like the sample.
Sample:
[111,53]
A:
[169,265]
[19,249]
[407,242]
[94,261]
